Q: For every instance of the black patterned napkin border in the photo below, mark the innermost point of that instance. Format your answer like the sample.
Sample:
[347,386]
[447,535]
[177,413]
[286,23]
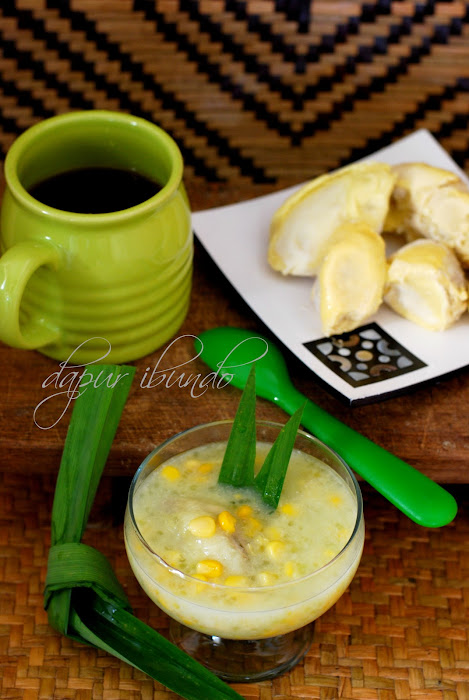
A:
[366,355]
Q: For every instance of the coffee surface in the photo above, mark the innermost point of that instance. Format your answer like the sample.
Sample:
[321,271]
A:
[94,190]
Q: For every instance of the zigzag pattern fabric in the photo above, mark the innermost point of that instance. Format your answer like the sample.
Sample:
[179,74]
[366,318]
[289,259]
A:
[257,93]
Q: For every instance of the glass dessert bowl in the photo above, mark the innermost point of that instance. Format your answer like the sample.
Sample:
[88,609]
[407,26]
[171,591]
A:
[243,583]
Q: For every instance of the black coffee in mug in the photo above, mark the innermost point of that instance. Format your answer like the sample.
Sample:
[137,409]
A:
[96,190]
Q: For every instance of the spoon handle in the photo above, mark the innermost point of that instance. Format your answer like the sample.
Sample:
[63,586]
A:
[420,498]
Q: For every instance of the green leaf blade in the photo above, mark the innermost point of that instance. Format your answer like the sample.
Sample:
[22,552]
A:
[95,417]
[117,630]
[269,480]
[237,468]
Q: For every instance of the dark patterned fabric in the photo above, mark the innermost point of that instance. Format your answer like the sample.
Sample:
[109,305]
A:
[255,93]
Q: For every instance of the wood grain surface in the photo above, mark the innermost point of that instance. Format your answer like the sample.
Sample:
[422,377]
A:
[426,427]
[259,95]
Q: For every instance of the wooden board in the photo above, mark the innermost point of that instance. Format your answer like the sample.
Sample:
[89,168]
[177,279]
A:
[428,427]
[259,96]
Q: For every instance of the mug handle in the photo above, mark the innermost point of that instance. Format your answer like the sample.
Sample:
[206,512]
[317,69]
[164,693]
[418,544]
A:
[17,266]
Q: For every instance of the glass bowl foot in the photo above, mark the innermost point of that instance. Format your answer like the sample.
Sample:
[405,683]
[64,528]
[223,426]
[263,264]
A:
[244,661]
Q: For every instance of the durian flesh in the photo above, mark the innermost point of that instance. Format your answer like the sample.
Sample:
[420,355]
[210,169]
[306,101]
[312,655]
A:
[302,227]
[426,284]
[351,279]
[432,203]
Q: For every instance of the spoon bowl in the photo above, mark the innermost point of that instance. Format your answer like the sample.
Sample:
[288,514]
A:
[231,351]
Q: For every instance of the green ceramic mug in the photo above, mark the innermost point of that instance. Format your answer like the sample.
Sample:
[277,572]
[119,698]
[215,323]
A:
[94,287]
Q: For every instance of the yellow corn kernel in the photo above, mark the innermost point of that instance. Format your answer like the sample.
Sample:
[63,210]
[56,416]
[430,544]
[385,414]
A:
[210,568]
[171,473]
[200,587]
[330,554]
[273,533]
[265,578]
[289,509]
[200,577]
[252,526]
[227,521]
[205,468]
[290,569]
[343,532]
[192,463]
[173,557]
[335,500]
[236,580]
[203,526]
[275,549]
[244,511]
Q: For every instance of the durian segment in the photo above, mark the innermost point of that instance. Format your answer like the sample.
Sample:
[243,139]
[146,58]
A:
[351,280]
[432,203]
[426,284]
[302,226]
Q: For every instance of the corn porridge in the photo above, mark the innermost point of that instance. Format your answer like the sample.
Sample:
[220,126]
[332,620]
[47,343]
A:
[219,560]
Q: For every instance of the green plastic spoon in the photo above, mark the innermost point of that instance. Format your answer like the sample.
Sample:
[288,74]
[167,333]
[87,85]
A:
[230,353]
